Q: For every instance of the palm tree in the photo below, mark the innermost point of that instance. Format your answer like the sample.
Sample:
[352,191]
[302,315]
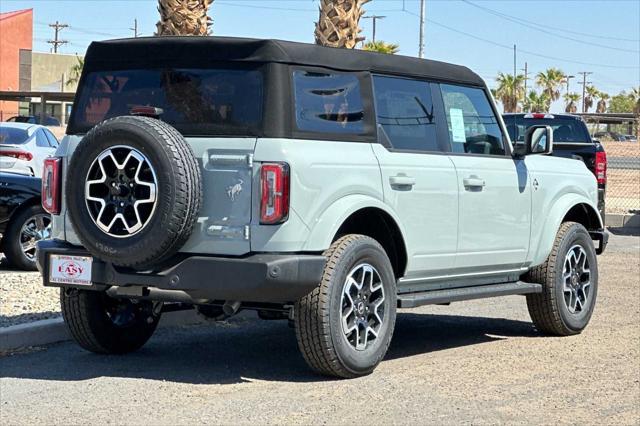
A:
[535,102]
[338,23]
[75,71]
[572,102]
[602,103]
[550,82]
[510,89]
[381,47]
[635,96]
[183,17]
[592,94]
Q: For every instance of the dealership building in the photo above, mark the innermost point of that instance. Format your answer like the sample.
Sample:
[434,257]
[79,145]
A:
[23,70]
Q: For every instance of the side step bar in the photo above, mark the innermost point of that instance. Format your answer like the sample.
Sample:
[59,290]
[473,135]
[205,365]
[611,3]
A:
[413,300]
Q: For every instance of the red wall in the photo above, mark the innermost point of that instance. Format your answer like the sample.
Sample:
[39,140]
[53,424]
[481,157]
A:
[16,32]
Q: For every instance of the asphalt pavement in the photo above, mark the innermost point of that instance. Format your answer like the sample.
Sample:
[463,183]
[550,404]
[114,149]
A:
[479,362]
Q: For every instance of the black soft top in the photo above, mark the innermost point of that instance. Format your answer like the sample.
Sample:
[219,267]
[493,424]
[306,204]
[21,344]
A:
[195,52]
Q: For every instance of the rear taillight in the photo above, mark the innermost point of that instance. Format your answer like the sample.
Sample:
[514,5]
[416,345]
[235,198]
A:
[601,167]
[20,155]
[51,185]
[274,195]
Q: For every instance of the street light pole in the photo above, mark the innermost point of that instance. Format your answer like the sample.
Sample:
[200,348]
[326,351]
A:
[421,42]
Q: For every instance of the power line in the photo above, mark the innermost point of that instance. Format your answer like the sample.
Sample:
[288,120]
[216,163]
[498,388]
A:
[536,27]
[57,27]
[537,24]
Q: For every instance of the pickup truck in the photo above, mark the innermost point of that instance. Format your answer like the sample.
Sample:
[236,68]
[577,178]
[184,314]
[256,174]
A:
[571,139]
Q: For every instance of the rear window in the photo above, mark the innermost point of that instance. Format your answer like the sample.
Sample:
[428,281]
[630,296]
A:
[11,136]
[194,101]
[564,129]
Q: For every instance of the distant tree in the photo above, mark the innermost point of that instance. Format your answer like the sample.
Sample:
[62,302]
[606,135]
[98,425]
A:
[622,102]
[635,98]
[509,91]
[381,47]
[550,82]
[602,103]
[571,100]
[76,71]
[183,17]
[535,102]
[591,94]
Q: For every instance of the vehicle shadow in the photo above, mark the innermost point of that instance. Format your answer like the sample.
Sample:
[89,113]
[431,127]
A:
[245,350]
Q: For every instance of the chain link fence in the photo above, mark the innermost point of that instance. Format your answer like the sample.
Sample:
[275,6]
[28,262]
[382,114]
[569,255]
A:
[623,176]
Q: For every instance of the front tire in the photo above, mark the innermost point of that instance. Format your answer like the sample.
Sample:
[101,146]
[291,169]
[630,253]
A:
[19,242]
[105,325]
[569,279]
[344,326]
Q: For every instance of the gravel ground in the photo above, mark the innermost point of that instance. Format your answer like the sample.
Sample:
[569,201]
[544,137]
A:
[475,362]
[24,299]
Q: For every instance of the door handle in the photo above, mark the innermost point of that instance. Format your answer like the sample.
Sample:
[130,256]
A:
[402,181]
[473,182]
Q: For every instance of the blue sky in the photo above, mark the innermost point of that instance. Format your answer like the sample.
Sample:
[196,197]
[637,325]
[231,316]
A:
[602,37]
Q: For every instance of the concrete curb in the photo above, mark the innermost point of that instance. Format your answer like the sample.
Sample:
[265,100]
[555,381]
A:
[623,221]
[45,332]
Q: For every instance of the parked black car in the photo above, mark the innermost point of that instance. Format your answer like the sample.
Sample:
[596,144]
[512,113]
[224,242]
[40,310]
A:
[32,119]
[571,139]
[23,221]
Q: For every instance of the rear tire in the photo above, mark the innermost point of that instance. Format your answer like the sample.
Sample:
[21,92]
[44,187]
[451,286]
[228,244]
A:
[324,317]
[105,325]
[567,302]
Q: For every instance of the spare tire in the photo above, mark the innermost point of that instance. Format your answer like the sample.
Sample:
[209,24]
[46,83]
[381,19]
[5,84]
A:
[133,191]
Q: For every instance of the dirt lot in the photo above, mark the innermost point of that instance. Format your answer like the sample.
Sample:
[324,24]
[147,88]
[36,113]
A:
[474,363]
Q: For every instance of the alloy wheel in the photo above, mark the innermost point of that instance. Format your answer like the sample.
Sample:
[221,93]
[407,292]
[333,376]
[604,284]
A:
[576,280]
[37,228]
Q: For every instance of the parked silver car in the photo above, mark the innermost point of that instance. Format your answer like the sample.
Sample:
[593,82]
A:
[23,147]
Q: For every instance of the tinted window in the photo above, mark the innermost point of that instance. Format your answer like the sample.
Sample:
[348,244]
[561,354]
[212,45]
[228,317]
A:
[328,103]
[41,139]
[11,136]
[52,139]
[195,101]
[473,126]
[405,113]
[564,129]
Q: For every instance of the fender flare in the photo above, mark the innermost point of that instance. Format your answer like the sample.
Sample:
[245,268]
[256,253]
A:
[554,219]
[332,218]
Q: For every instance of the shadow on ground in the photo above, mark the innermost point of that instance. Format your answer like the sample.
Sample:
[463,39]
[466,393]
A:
[241,351]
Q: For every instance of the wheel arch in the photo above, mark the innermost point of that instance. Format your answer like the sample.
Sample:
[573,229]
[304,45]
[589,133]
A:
[360,214]
[569,208]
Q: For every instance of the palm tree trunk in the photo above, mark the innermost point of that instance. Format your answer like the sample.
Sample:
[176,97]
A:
[183,17]
[338,23]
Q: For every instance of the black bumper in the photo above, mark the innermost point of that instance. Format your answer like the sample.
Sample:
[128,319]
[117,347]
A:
[602,237]
[274,278]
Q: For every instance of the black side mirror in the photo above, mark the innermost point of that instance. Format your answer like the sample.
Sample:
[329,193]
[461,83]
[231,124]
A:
[537,140]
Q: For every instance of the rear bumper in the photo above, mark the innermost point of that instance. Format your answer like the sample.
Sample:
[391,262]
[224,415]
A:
[272,278]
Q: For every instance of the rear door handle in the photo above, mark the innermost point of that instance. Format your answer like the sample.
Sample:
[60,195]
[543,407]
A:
[473,182]
[402,181]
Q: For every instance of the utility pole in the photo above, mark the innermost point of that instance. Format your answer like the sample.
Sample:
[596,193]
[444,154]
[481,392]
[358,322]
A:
[515,95]
[584,86]
[374,18]
[526,77]
[56,40]
[135,28]
[421,42]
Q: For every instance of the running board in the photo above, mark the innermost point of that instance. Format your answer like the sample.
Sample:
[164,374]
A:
[413,300]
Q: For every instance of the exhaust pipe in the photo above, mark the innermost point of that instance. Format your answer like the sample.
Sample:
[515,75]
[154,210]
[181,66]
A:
[231,307]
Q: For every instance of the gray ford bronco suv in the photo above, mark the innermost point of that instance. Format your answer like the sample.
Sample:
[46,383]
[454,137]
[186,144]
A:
[322,186]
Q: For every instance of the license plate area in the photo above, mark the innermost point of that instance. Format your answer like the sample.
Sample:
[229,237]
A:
[70,269]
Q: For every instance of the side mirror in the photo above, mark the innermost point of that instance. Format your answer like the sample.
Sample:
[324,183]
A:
[537,140]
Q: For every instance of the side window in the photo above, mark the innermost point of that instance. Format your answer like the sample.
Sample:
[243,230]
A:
[405,114]
[41,139]
[52,139]
[473,126]
[328,102]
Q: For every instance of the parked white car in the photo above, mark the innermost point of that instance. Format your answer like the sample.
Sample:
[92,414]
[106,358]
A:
[24,147]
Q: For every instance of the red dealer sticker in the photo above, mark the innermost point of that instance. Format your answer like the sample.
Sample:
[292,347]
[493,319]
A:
[70,269]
